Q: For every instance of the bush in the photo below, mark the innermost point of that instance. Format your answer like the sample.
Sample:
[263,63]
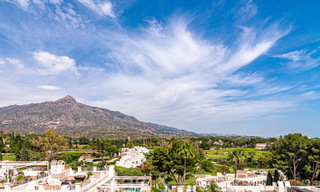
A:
[295,183]
[20,177]
[129,172]
[111,163]
[207,166]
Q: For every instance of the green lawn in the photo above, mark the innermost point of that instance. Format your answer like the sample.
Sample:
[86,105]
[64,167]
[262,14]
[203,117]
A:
[223,153]
[9,157]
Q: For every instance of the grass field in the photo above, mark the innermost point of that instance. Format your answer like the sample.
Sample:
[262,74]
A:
[223,153]
[9,157]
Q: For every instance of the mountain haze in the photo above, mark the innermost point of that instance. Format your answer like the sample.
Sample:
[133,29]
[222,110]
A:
[69,117]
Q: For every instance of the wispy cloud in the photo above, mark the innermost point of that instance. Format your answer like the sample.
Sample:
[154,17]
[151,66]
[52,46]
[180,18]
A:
[169,70]
[15,62]
[48,87]
[104,8]
[301,60]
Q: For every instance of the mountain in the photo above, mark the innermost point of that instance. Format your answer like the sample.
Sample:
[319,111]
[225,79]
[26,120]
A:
[219,135]
[165,130]
[71,118]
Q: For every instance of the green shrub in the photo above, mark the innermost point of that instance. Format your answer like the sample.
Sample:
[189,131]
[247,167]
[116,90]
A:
[129,172]
[20,177]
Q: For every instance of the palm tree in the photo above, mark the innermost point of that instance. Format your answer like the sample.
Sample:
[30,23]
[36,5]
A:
[237,158]
[185,152]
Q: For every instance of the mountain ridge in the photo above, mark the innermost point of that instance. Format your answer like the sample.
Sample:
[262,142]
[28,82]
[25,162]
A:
[71,118]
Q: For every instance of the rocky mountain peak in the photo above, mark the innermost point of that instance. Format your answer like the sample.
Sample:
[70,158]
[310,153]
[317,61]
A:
[67,99]
[75,119]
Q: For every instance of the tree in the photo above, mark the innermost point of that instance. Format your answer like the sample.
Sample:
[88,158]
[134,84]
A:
[252,154]
[37,143]
[185,151]
[214,187]
[237,159]
[53,143]
[25,154]
[265,160]
[174,161]
[163,162]
[130,144]
[17,154]
[2,146]
[207,165]
[289,152]
[276,176]
[205,145]
[224,169]
[70,143]
[111,150]
[314,158]
[146,167]
[269,179]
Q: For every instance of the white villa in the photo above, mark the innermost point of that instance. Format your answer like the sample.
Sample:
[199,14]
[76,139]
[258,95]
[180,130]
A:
[132,157]
[244,177]
[261,145]
[251,181]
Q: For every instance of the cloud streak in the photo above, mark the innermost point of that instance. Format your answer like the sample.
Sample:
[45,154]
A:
[48,87]
[169,70]
[301,60]
[103,8]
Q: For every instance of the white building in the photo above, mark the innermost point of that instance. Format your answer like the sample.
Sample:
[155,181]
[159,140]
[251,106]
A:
[132,157]
[244,178]
[261,145]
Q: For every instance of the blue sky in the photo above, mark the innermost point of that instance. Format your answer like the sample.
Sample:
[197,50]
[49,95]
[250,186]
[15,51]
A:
[242,67]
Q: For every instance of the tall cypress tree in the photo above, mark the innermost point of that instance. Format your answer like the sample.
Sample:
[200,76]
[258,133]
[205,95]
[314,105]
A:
[2,147]
[98,145]
[269,179]
[17,154]
[276,176]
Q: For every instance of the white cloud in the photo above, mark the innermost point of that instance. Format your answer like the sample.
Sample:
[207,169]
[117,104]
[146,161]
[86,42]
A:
[102,8]
[107,9]
[247,11]
[15,62]
[23,3]
[1,62]
[69,14]
[48,87]
[52,64]
[170,75]
[301,60]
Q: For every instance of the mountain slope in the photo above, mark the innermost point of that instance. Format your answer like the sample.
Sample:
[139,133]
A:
[69,117]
